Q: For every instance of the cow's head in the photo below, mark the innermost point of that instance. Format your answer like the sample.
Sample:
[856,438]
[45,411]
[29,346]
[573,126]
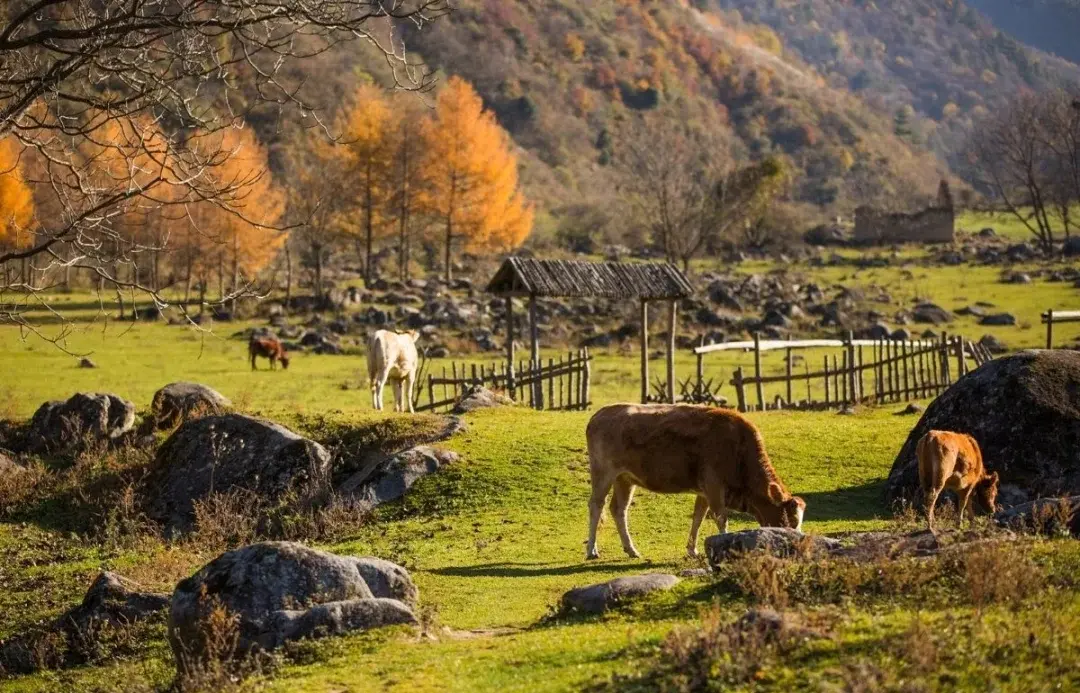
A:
[782,510]
[986,492]
[284,358]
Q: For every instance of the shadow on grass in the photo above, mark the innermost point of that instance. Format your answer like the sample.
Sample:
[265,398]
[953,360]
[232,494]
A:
[863,502]
[526,570]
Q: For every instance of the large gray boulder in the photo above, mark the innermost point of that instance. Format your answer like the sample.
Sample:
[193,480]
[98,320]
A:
[85,420]
[596,599]
[178,402]
[932,314]
[282,591]
[388,477]
[783,542]
[111,602]
[220,454]
[1023,409]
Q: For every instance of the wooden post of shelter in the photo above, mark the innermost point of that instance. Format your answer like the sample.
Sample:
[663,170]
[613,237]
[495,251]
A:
[740,389]
[509,346]
[644,352]
[534,351]
[699,386]
[672,315]
[787,371]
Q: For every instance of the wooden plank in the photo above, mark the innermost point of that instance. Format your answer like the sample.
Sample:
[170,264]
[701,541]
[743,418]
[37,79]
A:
[1052,316]
[644,353]
[826,372]
[587,373]
[740,388]
[551,383]
[845,396]
[757,374]
[862,383]
[774,344]
[673,308]
[907,383]
[787,372]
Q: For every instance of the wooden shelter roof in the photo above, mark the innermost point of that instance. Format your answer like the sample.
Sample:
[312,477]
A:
[520,276]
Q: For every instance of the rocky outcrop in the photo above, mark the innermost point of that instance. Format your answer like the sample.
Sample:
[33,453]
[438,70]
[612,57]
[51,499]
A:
[1049,516]
[111,602]
[389,477]
[282,591]
[220,454]
[179,402]
[596,599]
[480,397]
[783,542]
[85,420]
[1023,409]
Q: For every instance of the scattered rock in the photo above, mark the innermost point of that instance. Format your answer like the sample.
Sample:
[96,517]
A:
[181,401]
[85,362]
[388,478]
[993,344]
[877,331]
[846,410]
[1023,409]
[219,454]
[479,397]
[1018,278]
[901,335]
[111,602]
[695,573]
[987,233]
[279,591]
[596,599]
[783,542]
[910,409]
[999,319]
[1071,246]
[1049,516]
[932,314]
[84,419]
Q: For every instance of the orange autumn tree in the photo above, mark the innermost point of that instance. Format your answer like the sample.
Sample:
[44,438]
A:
[367,132]
[235,232]
[16,199]
[470,175]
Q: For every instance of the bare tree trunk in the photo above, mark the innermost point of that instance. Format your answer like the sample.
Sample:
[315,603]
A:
[449,240]
[318,274]
[235,281]
[368,208]
[288,275]
[221,276]
[187,281]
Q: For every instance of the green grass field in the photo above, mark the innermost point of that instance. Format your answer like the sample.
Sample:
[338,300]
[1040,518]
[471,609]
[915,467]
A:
[494,540]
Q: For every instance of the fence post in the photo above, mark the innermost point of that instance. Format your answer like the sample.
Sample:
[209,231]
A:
[757,372]
[844,365]
[905,351]
[587,376]
[961,362]
[740,389]
[943,354]
[1049,328]
[431,388]
[862,379]
[673,309]
[644,352]
[699,387]
[787,368]
[827,381]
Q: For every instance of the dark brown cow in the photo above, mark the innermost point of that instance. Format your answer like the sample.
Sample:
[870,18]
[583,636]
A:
[269,348]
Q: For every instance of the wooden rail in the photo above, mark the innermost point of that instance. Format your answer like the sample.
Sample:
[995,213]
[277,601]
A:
[864,371]
[1053,317]
[567,381]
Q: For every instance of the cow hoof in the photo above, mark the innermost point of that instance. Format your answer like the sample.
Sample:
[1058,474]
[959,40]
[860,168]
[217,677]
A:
[591,556]
[691,553]
[633,553]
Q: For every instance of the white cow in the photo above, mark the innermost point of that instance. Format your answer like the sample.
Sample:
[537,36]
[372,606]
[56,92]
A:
[392,356]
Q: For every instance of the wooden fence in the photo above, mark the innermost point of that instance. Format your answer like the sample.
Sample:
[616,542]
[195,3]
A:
[560,384]
[1054,317]
[864,371]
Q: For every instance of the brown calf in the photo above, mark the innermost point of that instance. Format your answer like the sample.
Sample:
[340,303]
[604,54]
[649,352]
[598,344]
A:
[715,454]
[269,348]
[954,461]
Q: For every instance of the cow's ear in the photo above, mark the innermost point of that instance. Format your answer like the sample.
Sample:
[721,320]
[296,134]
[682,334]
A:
[776,494]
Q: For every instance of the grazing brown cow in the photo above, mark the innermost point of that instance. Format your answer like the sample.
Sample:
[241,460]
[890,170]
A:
[713,453]
[269,348]
[954,461]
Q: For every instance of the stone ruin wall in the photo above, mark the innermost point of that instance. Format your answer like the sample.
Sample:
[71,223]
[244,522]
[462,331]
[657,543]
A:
[932,225]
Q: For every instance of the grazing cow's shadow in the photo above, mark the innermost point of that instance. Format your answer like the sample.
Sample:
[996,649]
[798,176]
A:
[542,569]
[863,502]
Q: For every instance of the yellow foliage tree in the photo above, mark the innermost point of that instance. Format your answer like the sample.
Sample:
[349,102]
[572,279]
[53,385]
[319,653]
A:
[471,177]
[16,199]
[367,130]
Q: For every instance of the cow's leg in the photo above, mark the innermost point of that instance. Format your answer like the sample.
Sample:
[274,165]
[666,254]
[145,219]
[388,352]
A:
[410,383]
[601,484]
[716,495]
[399,402]
[620,509]
[929,501]
[701,506]
[273,363]
[253,361]
[379,384]
[965,497]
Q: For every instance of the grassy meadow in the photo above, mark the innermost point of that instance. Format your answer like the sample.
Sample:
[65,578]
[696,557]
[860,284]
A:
[494,540]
